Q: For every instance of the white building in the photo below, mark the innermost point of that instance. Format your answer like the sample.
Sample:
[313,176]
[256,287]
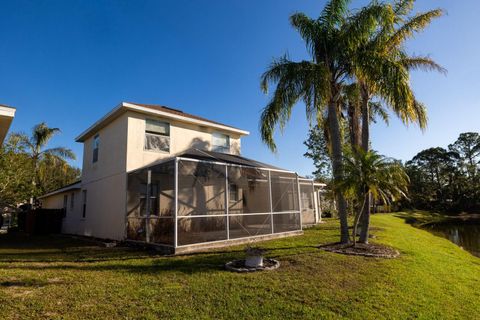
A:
[189,168]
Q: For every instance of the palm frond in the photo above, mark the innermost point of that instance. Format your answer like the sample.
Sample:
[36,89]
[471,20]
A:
[413,25]
[422,63]
[377,110]
[60,153]
[361,26]
[334,13]
[402,8]
[308,30]
[41,134]
[20,140]
[294,81]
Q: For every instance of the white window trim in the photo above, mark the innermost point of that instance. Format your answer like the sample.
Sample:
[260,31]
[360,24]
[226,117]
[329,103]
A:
[214,147]
[169,137]
[96,136]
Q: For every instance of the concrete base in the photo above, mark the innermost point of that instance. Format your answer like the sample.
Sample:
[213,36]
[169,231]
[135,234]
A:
[203,247]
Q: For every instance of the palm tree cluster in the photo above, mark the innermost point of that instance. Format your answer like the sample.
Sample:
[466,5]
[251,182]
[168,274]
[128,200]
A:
[47,168]
[358,63]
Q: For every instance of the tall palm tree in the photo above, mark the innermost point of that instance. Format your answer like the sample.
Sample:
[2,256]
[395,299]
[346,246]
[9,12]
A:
[372,175]
[389,66]
[330,40]
[35,145]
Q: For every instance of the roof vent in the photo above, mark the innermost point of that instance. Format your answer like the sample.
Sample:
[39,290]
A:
[176,110]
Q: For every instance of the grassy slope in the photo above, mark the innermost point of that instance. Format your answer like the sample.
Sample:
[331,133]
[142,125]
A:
[57,278]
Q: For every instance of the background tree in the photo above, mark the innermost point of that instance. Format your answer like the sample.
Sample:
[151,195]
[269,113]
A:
[317,150]
[35,146]
[447,180]
[467,147]
[15,175]
[54,173]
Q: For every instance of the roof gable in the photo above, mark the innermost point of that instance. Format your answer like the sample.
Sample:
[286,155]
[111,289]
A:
[157,110]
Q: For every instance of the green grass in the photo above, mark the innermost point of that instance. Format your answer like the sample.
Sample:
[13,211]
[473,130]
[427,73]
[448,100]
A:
[54,277]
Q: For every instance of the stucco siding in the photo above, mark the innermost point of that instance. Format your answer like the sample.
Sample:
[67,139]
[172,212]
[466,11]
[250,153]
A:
[182,137]
[72,222]
[106,208]
[111,153]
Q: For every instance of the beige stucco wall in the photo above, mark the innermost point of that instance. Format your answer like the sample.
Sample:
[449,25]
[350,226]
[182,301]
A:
[121,150]
[105,182]
[73,222]
[182,137]
[106,208]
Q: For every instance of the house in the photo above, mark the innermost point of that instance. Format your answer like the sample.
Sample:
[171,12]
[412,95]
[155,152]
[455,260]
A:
[157,175]
[6,117]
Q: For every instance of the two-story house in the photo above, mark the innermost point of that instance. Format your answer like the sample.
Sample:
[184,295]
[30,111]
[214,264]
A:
[158,175]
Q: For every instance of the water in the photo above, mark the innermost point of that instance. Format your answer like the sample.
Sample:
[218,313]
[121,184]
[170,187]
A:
[465,234]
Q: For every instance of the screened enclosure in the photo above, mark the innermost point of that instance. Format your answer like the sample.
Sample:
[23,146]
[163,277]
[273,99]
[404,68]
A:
[186,201]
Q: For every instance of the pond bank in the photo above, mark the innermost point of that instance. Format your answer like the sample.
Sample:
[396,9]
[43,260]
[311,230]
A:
[463,230]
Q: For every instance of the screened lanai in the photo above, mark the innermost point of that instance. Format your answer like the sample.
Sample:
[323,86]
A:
[202,197]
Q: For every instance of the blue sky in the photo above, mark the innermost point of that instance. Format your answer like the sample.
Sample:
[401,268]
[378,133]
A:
[70,62]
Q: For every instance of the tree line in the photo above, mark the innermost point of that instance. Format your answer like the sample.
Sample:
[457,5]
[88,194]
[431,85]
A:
[29,169]
[446,179]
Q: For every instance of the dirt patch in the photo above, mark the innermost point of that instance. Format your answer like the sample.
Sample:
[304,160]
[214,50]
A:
[361,249]
[239,266]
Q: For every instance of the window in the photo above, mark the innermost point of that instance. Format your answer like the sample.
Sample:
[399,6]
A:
[157,135]
[233,193]
[65,204]
[220,142]
[96,144]
[84,208]
[72,201]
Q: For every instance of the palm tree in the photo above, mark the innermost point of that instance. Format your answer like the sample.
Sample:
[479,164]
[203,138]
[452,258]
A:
[371,175]
[35,145]
[319,82]
[388,75]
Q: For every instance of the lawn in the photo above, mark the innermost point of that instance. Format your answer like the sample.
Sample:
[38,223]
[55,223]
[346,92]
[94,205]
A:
[56,277]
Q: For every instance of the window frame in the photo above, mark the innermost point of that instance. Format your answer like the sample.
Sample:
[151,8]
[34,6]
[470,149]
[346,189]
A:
[219,148]
[95,148]
[153,133]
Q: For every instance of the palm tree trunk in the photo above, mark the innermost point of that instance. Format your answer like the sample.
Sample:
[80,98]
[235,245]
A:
[354,118]
[337,167]
[34,179]
[365,221]
[358,216]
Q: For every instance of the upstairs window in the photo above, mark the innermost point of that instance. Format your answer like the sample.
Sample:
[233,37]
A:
[220,142]
[157,135]
[96,145]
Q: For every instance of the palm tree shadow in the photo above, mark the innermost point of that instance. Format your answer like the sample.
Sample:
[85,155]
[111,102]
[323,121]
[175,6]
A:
[62,253]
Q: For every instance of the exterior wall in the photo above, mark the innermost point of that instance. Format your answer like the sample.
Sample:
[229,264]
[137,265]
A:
[183,136]
[72,223]
[105,182]
[106,208]
[121,149]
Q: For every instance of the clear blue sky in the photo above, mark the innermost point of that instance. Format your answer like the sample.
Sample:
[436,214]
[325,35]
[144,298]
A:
[70,62]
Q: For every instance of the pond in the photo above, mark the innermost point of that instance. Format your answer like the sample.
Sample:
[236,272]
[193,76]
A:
[463,232]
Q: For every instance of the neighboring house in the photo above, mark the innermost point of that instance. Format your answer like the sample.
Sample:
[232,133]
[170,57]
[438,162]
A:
[189,168]
[6,117]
